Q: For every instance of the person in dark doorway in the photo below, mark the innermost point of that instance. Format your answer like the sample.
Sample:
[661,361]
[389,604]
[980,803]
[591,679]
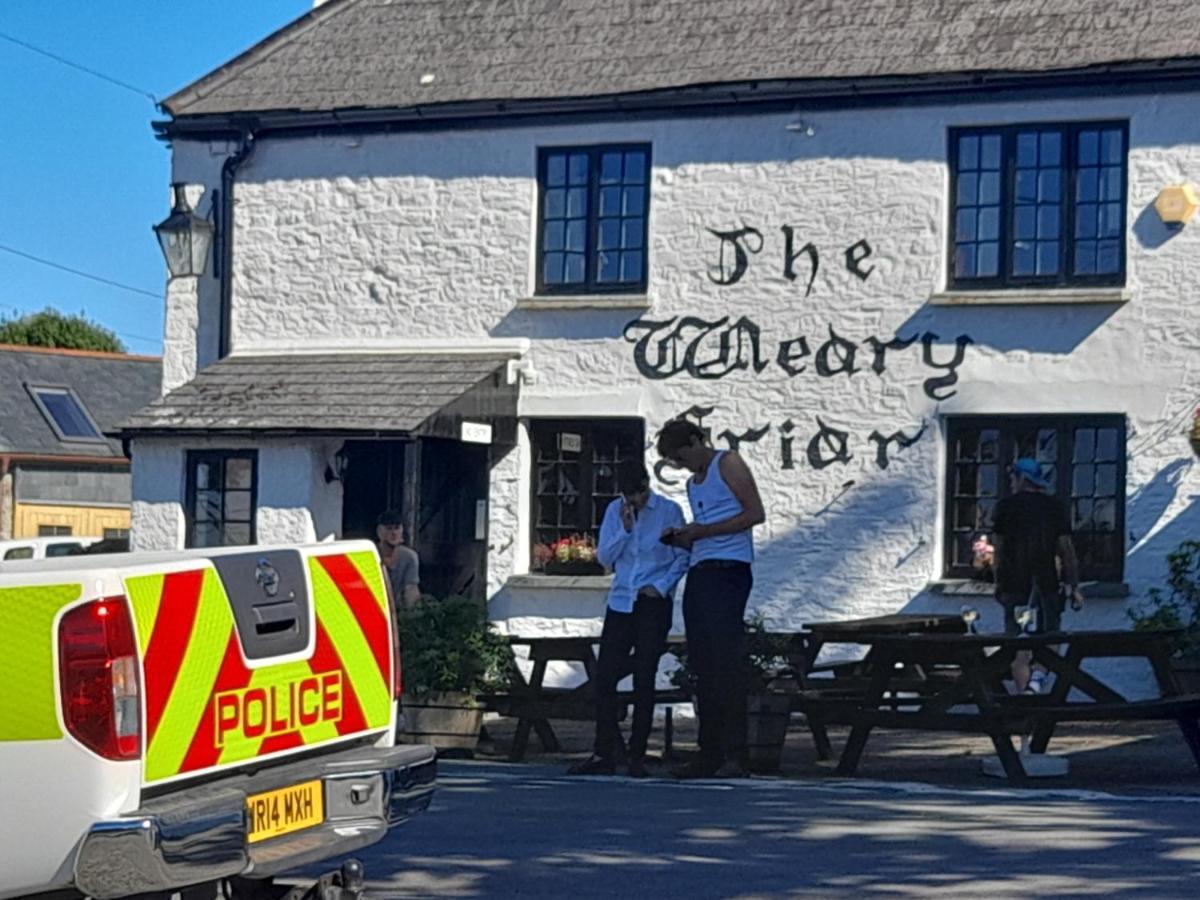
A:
[725,507]
[1032,531]
[401,563]
[638,617]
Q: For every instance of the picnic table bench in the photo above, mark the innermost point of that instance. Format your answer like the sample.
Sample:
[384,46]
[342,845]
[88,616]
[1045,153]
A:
[534,705]
[955,682]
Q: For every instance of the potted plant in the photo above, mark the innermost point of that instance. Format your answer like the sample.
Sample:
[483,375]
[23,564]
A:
[451,653]
[768,706]
[574,555]
[1178,607]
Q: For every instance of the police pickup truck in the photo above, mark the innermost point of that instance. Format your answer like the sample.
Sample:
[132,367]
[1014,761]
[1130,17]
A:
[197,723]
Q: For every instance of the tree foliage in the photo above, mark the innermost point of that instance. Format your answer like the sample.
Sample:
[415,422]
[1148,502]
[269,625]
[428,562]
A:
[1179,606]
[50,328]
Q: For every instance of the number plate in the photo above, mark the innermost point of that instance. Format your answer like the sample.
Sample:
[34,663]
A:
[285,810]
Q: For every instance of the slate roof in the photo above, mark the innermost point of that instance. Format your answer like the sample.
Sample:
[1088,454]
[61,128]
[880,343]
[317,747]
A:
[325,392]
[110,386]
[373,53]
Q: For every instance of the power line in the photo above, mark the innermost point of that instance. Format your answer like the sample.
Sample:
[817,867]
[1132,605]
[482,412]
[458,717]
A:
[81,68]
[88,275]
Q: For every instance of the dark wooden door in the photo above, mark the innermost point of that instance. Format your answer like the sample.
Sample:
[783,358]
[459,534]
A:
[452,518]
[374,482]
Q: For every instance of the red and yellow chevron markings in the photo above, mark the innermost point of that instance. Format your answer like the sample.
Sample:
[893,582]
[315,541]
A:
[206,707]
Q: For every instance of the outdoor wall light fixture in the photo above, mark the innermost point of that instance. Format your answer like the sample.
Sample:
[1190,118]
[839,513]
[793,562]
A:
[1176,204]
[336,470]
[185,237]
[801,127]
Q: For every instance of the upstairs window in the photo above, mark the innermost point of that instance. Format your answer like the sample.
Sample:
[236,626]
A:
[65,413]
[593,204]
[1038,205]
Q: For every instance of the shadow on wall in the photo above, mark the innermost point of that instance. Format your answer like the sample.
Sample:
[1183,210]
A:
[826,554]
[1038,329]
[564,324]
[1149,229]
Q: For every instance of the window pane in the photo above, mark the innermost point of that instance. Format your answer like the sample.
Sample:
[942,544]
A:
[1083,479]
[1024,260]
[1106,444]
[1026,186]
[635,202]
[1089,148]
[1082,518]
[968,189]
[968,153]
[610,201]
[556,170]
[1050,148]
[208,506]
[238,506]
[1108,257]
[1025,223]
[631,234]
[576,235]
[1085,445]
[964,261]
[236,535]
[1047,445]
[553,236]
[989,224]
[67,414]
[573,268]
[206,475]
[238,473]
[1104,515]
[1111,147]
[577,172]
[1110,184]
[1106,480]
[635,167]
[576,202]
[610,168]
[552,268]
[610,234]
[206,534]
[1049,186]
[608,267]
[987,260]
[989,188]
[989,152]
[556,204]
[1048,223]
[631,266]
[1027,147]
[1047,258]
[966,225]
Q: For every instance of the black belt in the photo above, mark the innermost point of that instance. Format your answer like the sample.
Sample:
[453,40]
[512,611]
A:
[720,564]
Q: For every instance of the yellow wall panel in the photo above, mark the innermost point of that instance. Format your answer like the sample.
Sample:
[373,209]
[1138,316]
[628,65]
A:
[84,521]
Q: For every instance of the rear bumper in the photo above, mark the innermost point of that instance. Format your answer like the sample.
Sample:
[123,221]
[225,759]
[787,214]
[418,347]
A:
[199,834]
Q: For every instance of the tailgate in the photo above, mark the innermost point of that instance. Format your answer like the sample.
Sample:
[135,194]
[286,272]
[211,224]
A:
[259,654]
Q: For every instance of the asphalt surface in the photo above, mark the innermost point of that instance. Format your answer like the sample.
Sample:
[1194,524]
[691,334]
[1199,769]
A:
[498,830]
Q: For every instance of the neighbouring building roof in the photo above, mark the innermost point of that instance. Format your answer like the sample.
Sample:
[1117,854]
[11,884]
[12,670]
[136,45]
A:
[380,53]
[108,387]
[333,393]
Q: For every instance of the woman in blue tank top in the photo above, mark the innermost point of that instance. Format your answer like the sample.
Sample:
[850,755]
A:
[725,507]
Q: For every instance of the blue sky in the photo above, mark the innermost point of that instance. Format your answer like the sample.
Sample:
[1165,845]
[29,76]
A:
[82,177]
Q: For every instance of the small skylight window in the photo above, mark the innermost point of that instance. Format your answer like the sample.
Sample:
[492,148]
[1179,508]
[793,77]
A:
[65,413]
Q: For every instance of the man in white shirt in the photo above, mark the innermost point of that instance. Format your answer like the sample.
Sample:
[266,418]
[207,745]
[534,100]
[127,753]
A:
[638,618]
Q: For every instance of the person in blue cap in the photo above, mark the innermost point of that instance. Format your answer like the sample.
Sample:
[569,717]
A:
[1032,532]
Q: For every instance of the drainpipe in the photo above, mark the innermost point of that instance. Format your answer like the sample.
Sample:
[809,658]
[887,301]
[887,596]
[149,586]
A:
[228,172]
[6,499]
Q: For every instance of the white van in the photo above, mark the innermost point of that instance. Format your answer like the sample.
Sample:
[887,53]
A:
[43,547]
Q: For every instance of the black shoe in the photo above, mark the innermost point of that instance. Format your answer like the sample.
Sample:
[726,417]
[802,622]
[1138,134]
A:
[637,769]
[732,768]
[594,765]
[697,768]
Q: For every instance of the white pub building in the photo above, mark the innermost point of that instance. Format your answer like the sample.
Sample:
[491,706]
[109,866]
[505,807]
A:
[470,255]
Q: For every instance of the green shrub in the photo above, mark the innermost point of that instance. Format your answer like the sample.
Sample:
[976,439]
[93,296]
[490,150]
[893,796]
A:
[1178,606]
[449,645]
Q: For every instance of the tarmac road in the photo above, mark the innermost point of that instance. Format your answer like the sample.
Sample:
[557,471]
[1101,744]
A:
[498,830]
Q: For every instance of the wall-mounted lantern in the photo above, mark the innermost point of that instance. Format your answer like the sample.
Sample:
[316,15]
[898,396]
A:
[185,237]
[336,470]
[1176,204]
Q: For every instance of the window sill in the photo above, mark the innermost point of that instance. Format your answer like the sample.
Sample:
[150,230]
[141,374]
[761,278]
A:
[1032,296]
[586,301]
[965,587]
[560,582]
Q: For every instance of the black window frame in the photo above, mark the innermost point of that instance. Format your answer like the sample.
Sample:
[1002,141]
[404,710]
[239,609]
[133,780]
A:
[194,457]
[590,285]
[1066,425]
[592,510]
[36,391]
[1008,169]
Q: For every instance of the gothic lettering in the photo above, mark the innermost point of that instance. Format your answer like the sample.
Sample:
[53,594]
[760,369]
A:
[829,445]
[899,438]
[933,385]
[855,254]
[740,243]
[789,258]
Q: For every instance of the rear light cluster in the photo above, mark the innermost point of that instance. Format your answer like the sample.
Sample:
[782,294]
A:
[397,671]
[98,676]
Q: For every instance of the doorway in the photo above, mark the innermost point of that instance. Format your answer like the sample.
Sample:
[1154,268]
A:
[374,482]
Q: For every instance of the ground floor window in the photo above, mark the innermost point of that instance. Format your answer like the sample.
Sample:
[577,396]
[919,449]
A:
[53,530]
[575,476]
[116,534]
[221,502]
[1082,456]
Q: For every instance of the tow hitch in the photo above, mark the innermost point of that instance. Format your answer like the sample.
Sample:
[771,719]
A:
[345,883]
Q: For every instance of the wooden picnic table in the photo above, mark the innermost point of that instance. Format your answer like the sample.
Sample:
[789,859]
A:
[807,646]
[534,705]
[964,689]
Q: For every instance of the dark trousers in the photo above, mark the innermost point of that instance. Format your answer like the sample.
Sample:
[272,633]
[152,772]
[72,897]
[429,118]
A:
[644,632]
[714,604]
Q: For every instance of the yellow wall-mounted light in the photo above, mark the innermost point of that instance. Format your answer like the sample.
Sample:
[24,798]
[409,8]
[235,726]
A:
[1176,204]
